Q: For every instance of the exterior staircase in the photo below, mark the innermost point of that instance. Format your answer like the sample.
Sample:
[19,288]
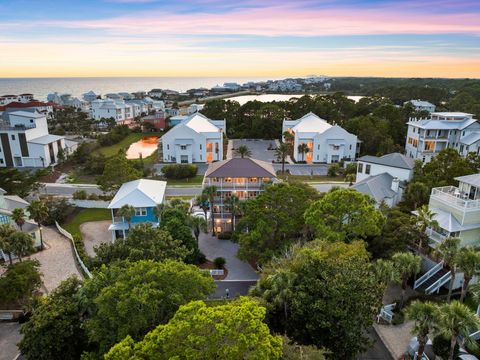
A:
[433,279]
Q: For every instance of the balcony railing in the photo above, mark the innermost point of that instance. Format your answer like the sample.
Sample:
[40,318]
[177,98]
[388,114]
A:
[453,196]
[435,236]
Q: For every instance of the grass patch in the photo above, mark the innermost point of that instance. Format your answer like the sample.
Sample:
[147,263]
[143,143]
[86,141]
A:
[180,197]
[311,178]
[72,225]
[112,150]
[76,177]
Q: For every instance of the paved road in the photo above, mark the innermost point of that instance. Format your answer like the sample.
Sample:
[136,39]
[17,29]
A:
[235,288]
[327,186]
[237,269]
[9,337]
[183,191]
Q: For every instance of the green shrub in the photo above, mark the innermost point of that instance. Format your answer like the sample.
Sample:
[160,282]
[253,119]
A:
[179,171]
[398,318]
[93,197]
[19,282]
[227,235]
[441,347]
[80,195]
[219,262]
[117,134]
[58,210]
[82,253]
[333,170]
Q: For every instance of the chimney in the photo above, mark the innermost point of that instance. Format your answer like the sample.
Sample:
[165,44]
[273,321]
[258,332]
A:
[395,184]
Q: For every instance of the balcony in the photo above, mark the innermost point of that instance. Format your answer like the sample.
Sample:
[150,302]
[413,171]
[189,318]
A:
[452,196]
[436,237]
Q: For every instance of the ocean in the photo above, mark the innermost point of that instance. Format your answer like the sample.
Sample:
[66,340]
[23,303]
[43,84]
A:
[41,87]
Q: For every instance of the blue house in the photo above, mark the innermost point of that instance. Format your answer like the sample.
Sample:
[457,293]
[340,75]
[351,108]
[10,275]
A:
[144,195]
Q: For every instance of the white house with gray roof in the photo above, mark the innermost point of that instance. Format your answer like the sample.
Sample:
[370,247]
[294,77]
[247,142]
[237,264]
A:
[196,139]
[25,141]
[428,136]
[326,143]
[384,178]
[421,105]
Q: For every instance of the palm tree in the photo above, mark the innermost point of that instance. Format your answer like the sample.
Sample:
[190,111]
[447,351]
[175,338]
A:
[454,320]
[288,137]
[281,154]
[22,244]
[38,211]
[158,211]
[468,261]
[475,291]
[127,212]
[303,149]
[448,251]
[408,264]
[202,202]
[386,272]
[197,224]
[6,231]
[281,289]
[424,314]
[232,202]
[18,215]
[425,220]
[243,151]
[210,192]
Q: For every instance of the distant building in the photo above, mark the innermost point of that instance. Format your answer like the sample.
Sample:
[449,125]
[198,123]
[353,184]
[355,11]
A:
[89,96]
[144,195]
[31,106]
[157,120]
[193,108]
[232,86]
[421,105]
[428,136]
[243,177]
[23,98]
[120,111]
[175,120]
[155,93]
[25,141]
[384,178]
[325,143]
[195,139]
[8,203]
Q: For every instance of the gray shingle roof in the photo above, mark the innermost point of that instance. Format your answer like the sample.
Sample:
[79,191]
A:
[240,167]
[378,187]
[394,160]
[473,179]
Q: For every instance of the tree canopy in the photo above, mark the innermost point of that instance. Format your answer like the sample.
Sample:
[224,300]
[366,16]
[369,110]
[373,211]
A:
[197,331]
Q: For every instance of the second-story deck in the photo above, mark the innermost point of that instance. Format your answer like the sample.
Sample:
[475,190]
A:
[452,196]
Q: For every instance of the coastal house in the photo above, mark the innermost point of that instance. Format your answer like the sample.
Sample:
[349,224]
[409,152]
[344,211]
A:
[457,212]
[193,108]
[90,96]
[144,195]
[428,136]
[384,178]
[25,141]
[23,98]
[118,110]
[31,106]
[243,177]
[421,105]
[197,139]
[8,203]
[326,143]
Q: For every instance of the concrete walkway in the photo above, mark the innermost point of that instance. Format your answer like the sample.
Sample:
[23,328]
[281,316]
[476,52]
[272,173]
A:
[95,233]
[237,269]
[9,338]
[57,261]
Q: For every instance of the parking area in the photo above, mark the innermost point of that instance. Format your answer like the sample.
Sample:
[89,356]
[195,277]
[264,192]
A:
[304,169]
[95,233]
[261,149]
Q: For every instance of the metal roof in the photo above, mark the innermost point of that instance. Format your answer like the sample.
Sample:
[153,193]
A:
[139,193]
[473,179]
[378,187]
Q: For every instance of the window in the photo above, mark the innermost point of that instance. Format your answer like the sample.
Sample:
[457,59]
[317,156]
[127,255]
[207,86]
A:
[183,147]
[1,161]
[13,137]
[367,169]
[463,134]
[350,147]
[318,147]
[461,148]
[200,157]
[200,146]
[168,147]
[360,168]
[141,211]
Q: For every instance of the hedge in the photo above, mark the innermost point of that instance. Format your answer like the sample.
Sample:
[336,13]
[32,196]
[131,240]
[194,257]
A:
[179,171]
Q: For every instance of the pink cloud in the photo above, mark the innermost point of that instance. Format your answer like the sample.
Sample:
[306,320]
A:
[286,20]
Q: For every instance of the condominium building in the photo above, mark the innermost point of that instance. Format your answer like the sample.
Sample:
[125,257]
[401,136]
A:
[25,141]
[243,177]
[428,136]
[118,110]
[421,105]
[195,139]
[326,143]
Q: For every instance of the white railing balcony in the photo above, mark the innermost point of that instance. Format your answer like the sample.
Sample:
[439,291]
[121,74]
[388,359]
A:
[454,197]
[436,236]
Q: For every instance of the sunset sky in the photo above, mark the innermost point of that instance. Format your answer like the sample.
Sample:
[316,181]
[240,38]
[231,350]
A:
[47,38]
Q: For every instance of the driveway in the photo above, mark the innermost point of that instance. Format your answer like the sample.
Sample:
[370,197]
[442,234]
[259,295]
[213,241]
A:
[95,233]
[9,338]
[304,169]
[235,288]
[57,261]
[237,269]
[259,148]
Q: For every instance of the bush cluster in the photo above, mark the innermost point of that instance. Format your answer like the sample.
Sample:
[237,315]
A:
[179,171]
[117,134]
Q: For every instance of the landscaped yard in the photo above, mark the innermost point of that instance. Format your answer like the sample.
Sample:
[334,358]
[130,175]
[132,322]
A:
[72,225]
[125,143]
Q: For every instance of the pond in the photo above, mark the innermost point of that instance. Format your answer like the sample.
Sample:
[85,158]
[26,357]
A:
[143,147]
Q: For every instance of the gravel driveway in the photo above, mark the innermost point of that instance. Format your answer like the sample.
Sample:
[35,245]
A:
[95,233]
[57,261]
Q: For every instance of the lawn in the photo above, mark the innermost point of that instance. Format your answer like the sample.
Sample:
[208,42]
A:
[125,143]
[197,180]
[311,178]
[72,225]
